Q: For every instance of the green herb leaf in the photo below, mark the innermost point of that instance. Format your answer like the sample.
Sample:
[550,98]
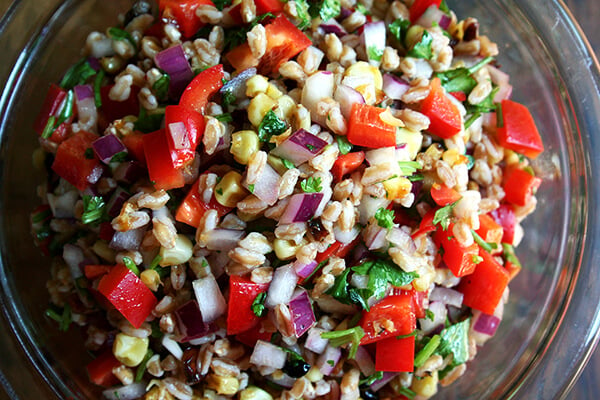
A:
[444,7]
[302,14]
[119,157]
[221,4]
[339,290]
[384,217]
[454,340]
[487,105]
[329,9]
[509,254]
[161,87]
[415,177]
[343,144]
[128,262]
[472,119]
[375,53]
[406,392]
[120,34]
[476,259]
[155,262]
[422,49]
[340,338]
[269,126]
[443,215]
[251,188]
[407,168]
[311,185]
[489,247]
[427,351]
[93,209]
[398,29]
[225,117]
[97,84]
[88,153]
[139,372]
[49,128]
[287,163]
[64,319]
[146,122]
[499,116]
[41,216]
[228,98]
[258,305]
[78,74]
[362,9]
[429,315]
[67,110]
[368,381]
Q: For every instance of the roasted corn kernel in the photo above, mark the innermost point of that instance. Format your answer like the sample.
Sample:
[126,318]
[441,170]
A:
[255,85]
[259,107]
[285,249]
[179,254]
[229,191]
[243,145]
[130,350]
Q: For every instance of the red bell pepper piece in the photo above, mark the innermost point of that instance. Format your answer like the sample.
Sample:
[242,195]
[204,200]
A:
[483,289]
[505,217]
[179,119]
[192,208]
[519,186]
[159,160]
[242,293]
[346,164]
[444,116]
[337,249]
[458,258]
[518,131]
[100,369]
[419,6]
[426,224]
[489,230]
[443,195]
[254,334]
[512,269]
[395,311]
[52,106]
[93,271]
[71,164]
[418,300]
[201,88]
[182,13]
[268,6]
[112,110]
[135,146]
[128,294]
[395,355]
[365,127]
[460,96]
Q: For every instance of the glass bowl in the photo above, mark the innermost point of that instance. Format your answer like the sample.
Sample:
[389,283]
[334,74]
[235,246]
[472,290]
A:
[552,320]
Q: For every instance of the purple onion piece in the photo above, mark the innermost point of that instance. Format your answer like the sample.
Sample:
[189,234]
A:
[303,317]
[304,270]
[237,85]
[394,87]
[374,40]
[129,172]
[174,63]
[83,92]
[118,198]
[300,147]
[189,321]
[380,383]
[301,208]
[129,240]
[94,63]
[106,147]
[486,324]
[447,296]
[332,26]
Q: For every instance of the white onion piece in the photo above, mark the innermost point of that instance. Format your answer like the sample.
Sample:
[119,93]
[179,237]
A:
[439,317]
[447,296]
[364,361]
[266,187]
[178,389]
[501,79]
[400,238]
[346,96]
[374,40]
[394,87]
[327,193]
[223,239]
[329,359]
[73,256]
[87,114]
[128,240]
[379,156]
[300,147]
[63,206]
[179,134]
[368,207]
[172,346]
[282,286]
[330,305]
[314,341]
[317,87]
[128,392]
[268,355]
[211,302]
[374,236]
[346,237]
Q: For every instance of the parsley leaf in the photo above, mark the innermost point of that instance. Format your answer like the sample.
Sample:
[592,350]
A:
[406,392]
[339,290]
[343,144]
[139,372]
[287,163]
[384,217]
[311,185]
[460,79]
[161,87]
[476,259]
[329,9]
[427,351]
[302,14]
[120,34]
[78,74]
[147,122]
[444,7]
[487,105]
[119,157]
[64,319]
[270,125]
[429,315]
[340,338]
[443,215]
[221,4]
[472,119]
[375,53]
[362,9]
[258,305]
[408,168]
[499,116]
[398,29]
[454,340]
[49,128]
[422,49]
[228,98]
[489,247]
[225,117]
[251,188]
[93,209]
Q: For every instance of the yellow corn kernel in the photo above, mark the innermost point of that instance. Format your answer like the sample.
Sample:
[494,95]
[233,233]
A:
[103,251]
[273,92]
[365,70]
[158,393]
[453,157]
[259,107]
[397,188]
[179,254]
[244,144]
[254,393]
[255,85]
[150,278]
[229,191]
[129,350]
[226,385]
[314,374]
[285,249]
[277,164]
[413,36]
[425,387]
[285,107]
[413,140]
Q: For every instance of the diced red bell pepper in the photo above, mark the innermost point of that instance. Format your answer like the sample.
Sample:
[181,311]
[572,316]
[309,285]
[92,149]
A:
[182,13]
[418,300]
[419,6]
[128,294]
[268,6]
[100,369]
[191,123]
[519,186]
[443,195]
[426,224]
[489,230]
[201,88]
[93,271]
[512,269]
[112,110]
[444,116]
[518,131]
[505,217]
[192,208]
[71,164]
[135,146]
[242,293]
[366,128]
[395,312]
[458,258]
[345,164]
[395,355]
[483,289]
[254,334]
[52,106]
[160,163]
[460,96]
[337,249]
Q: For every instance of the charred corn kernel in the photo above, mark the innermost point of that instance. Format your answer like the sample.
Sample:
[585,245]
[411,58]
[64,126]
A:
[103,251]
[244,144]
[129,350]
[413,36]
[259,107]
[453,157]
[226,385]
[397,188]
[285,249]
[150,278]
[366,71]
[510,157]
[412,139]
[229,191]
[425,387]
[179,254]
[314,374]
[273,92]
[254,393]
[255,85]
[285,107]
[277,164]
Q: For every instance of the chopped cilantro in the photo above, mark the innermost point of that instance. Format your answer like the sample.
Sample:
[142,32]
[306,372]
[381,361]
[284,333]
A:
[375,53]
[269,126]
[398,29]
[429,315]
[487,105]
[119,157]
[415,177]
[161,87]
[444,7]
[128,262]
[343,144]
[93,209]
[225,117]
[499,116]
[120,34]
[251,188]
[219,191]
[139,372]
[443,215]
[147,122]
[489,247]
[422,49]
[64,319]
[302,14]
[413,333]
[329,9]
[331,362]
[49,128]
[408,168]
[287,163]
[384,217]
[228,98]
[454,340]
[368,381]
[221,4]
[311,185]
[67,110]
[471,119]
[460,79]
[155,262]
[340,338]
[362,9]
[78,74]
[97,84]
[88,153]
[476,259]
[258,305]
[406,392]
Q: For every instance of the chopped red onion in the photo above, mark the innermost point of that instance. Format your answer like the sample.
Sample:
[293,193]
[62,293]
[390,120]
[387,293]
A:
[303,317]
[329,359]
[346,96]
[301,208]
[364,362]
[83,92]
[375,236]
[268,355]
[118,198]
[304,270]
[380,383]
[63,206]
[447,296]
[394,87]
[223,239]
[282,286]
[266,187]
[439,317]
[179,135]
[237,85]
[501,79]
[332,26]
[106,147]
[317,87]
[485,323]
[189,322]
[374,40]
[128,392]
[314,341]
[128,240]
[87,113]
[327,193]
[300,147]
[73,256]
[211,302]
[174,63]
[400,238]
[172,346]
[433,15]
